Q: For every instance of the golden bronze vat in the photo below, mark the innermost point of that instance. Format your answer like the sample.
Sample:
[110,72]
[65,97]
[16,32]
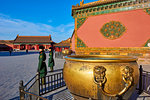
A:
[101,77]
[66,52]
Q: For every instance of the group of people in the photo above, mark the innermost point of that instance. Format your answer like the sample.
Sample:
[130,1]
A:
[42,69]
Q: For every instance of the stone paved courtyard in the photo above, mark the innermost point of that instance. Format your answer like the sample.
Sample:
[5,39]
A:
[16,68]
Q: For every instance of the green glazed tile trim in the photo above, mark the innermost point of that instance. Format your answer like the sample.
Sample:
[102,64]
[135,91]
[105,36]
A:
[89,11]
[146,44]
[148,10]
[80,43]
[80,21]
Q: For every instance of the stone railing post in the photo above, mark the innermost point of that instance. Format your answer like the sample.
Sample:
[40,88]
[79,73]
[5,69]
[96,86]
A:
[21,89]
[38,82]
[36,87]
[140,80]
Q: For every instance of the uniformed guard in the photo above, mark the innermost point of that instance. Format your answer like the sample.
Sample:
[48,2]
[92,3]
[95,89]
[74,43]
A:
[42,65]
[51,60]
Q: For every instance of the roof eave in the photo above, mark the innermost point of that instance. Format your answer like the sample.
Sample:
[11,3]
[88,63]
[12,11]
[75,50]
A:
[32,42]
[93,4]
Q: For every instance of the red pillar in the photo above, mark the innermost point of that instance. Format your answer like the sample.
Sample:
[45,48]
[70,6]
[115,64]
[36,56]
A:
[37,47]
[59,49]
[29,47]
[19,46]
[34,47]
[13,46]
[26,46]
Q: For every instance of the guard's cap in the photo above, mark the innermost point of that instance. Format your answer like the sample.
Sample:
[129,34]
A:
[51,48]
[41,47]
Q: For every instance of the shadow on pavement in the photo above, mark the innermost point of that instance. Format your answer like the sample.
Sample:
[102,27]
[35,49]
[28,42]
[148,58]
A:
[15,98]
[18,53]
[61,95]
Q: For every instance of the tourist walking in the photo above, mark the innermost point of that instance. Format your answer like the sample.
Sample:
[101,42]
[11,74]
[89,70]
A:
[10,51]
[26,50]
[42,65]
[51,59]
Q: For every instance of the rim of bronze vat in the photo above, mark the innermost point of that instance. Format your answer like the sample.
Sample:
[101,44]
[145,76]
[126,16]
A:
[120,59]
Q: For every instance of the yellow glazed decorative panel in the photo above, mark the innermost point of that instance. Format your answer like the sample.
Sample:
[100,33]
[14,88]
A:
[113,30]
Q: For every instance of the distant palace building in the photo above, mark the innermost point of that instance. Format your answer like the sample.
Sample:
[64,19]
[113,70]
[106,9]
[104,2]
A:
[32,42]
[113,27]
[6,45]
[62,45]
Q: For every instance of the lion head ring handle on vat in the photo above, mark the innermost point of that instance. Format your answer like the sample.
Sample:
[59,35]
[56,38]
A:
[100,79]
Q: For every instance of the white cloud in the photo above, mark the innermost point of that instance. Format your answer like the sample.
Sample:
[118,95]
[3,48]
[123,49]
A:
[9,28]
[50,21]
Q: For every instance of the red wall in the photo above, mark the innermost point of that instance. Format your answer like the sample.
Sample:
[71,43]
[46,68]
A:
[29,47]
[137,23]
[73,43]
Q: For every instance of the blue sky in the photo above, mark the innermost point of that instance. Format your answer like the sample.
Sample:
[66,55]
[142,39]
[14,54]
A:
[37,18]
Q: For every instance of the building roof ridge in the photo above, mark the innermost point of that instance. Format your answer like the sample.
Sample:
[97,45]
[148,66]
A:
[90,4]
[31,39]
[33,36]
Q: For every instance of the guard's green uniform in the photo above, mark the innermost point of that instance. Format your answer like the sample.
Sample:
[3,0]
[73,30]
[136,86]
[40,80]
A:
[51,60]
[42,66]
